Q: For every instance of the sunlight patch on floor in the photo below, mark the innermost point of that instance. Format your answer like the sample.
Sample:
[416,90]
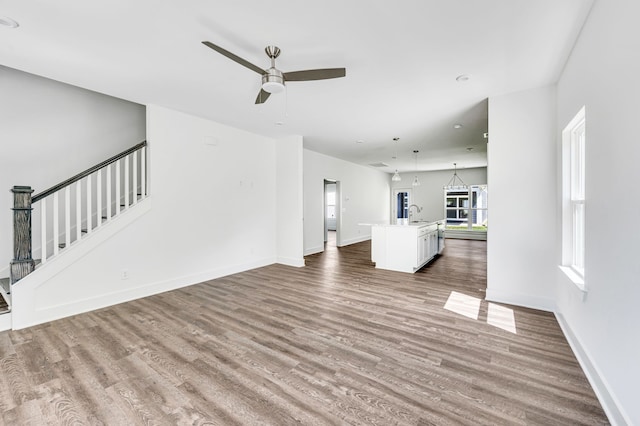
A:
[501,317]
[463,304]
[497,315]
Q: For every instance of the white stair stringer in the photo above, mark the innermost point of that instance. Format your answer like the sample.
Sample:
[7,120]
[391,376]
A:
[24,312]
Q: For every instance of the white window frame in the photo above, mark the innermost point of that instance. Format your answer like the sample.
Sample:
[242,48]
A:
[573,199]
[471,211]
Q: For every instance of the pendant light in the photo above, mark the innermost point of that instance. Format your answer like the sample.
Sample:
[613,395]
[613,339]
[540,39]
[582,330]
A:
[416,182]
[455,183]
[396,177]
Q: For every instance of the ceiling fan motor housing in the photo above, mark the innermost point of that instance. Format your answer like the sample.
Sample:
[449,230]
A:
[273,81]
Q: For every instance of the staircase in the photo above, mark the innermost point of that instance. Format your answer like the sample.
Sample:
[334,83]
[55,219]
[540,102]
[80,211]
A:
[52,221]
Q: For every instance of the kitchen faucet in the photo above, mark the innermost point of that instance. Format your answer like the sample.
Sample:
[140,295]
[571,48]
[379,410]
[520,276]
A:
[418,209]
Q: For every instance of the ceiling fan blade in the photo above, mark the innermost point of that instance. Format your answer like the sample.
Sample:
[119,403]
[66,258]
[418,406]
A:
[233,57]
[262,97]
[321,74]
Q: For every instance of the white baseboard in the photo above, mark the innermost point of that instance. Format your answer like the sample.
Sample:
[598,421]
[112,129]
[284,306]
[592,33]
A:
[290,261]
[320,249]
[607,399]
[355,240]
[526,301]
[314,250]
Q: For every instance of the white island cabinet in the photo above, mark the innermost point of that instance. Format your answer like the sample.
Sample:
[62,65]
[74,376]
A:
[405,248]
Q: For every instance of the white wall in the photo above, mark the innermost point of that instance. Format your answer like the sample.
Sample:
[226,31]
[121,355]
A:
[602,74]
[429,195]
[289,201]
[213,195]
[52,131]
[522,155]
[364,199]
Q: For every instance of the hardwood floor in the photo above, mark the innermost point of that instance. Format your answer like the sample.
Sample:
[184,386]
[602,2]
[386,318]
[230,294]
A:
[335,342]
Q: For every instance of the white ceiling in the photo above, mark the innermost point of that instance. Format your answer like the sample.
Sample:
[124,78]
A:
[402,60]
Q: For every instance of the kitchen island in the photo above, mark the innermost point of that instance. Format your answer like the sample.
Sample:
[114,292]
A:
[406,247]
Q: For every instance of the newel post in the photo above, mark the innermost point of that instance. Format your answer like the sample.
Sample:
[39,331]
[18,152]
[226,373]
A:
[22,263]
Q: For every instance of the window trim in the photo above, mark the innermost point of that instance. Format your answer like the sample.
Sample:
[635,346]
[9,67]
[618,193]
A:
[574,199]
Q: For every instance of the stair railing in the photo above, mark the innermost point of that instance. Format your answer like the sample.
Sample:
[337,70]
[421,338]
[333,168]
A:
[75,207]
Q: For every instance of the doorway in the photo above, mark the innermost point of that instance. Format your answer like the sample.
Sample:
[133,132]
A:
[331,207]
[400,205]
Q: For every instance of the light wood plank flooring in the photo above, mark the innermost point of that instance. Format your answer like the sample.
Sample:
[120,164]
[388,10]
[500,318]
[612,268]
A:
[335,342]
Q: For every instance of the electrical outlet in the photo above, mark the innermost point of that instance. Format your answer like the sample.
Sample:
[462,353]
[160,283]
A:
[124,275]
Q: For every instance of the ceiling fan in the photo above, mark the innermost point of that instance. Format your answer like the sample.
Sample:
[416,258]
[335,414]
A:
[273,79]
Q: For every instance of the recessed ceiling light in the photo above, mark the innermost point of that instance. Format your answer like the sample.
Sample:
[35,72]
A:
[8,22]
[462,78]
[457,126]
[279,123]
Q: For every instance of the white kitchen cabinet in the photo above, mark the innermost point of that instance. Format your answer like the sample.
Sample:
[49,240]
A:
[404,248]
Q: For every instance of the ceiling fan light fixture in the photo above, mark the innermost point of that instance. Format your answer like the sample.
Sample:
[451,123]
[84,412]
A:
[272,87]
[273,81]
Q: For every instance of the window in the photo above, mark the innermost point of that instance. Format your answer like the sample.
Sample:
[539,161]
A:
[331,204]
[331,222]
[573,194]
[466,209]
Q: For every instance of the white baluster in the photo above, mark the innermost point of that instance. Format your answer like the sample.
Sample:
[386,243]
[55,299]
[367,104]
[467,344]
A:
[127,188]
[98,199]
[109,197]
[143,172]
[78,210]
[67,216]
[117,187]
[43,230]
[135,178]
[56,224]
[89,204]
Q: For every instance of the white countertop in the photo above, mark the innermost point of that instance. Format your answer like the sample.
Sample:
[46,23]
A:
[416,224]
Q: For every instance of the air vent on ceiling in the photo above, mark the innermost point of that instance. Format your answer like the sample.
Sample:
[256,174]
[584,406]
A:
[380,164]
